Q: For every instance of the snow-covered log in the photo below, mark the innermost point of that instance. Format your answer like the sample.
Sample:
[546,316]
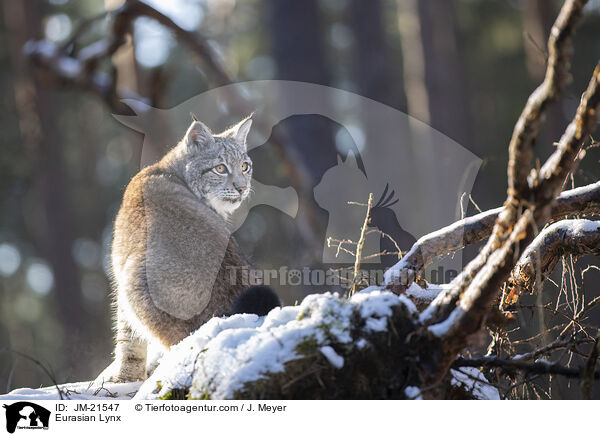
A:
[328,347]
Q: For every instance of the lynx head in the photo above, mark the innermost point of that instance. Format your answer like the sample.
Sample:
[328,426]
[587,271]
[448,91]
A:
[218,169]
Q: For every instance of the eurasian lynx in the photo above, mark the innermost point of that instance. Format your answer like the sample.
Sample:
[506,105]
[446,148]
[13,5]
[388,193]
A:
[172,248]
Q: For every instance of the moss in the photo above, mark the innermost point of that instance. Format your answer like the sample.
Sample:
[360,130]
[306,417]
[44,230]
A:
[307,346]
[176,394]
[158,387]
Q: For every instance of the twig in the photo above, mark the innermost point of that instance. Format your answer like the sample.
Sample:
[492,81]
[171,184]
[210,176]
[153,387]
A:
[360,244]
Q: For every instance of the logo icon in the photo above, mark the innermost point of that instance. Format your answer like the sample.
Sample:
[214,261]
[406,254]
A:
[26,415]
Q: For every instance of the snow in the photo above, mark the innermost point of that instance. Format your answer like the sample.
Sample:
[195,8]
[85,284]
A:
[375,306]
[335,359]
[376,324]
[226,353]
[473,381]
[580,227]
[430,310]
[76,391]
[428,293]
[413,393]
[442,328]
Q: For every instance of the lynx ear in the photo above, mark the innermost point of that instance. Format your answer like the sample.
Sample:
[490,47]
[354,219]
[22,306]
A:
[240,131]
[243,128]
[198,134]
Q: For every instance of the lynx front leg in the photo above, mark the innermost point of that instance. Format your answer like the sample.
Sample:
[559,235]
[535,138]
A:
[130,356]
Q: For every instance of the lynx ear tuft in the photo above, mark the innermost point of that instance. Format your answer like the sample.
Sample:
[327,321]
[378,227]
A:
[194,117]
[198,134]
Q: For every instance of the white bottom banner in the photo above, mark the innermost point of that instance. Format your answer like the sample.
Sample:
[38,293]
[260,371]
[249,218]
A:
[297,417]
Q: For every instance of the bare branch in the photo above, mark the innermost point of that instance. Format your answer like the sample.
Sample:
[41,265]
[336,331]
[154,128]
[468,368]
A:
[61,70]
[79,69]
[485,285]
[579,201]
[575,237]
[482,277]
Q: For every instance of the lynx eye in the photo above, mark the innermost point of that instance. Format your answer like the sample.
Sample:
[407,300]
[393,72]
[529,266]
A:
[245,167]
[221,169]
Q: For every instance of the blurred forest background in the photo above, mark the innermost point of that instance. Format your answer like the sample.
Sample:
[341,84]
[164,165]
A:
[465,67]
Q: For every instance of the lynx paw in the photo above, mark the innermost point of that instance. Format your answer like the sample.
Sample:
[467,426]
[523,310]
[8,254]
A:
[119,373]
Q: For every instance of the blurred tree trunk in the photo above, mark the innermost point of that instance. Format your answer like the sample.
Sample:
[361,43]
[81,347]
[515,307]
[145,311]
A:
[297,46]
[433,79]
[37,111]
[374,68]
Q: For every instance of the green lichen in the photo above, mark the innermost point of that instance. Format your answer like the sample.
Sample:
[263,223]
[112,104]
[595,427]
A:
[176,394]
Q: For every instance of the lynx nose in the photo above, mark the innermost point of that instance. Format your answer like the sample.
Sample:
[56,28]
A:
[240,189]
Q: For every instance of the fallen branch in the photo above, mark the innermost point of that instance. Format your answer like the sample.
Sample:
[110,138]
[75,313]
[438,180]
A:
[576,237]
[461,311]
[512,231]
[580,201]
